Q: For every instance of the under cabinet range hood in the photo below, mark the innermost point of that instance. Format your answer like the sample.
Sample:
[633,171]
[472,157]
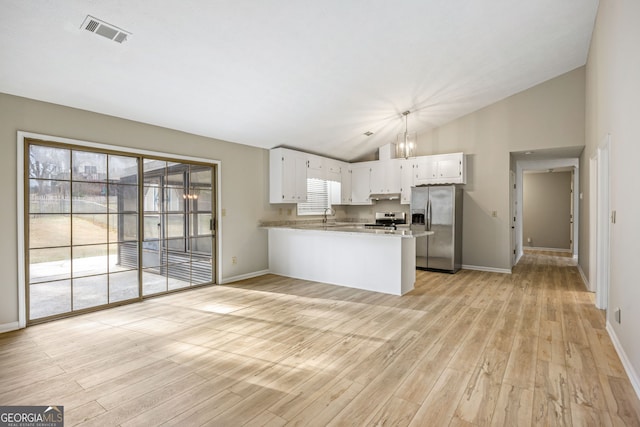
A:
[384,196]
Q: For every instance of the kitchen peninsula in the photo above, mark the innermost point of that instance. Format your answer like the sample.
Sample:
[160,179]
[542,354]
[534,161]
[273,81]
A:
[346,255]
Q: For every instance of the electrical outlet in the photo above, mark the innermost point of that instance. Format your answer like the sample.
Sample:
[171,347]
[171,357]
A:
[279,211]
[618,315]
[224,212]
[289,212]
[234,260]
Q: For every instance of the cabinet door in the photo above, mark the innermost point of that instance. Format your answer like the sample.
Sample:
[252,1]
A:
[333,166]
[316,167]
[426,170]
[393,176]
[360,184]
[300,179]
[406,180]
[294,178]
[449,167]
[334,178]
[345,190]
[377,177]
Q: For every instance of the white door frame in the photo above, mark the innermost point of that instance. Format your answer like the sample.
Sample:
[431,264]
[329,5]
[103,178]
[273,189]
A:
[603,224]
[512,218]
[523,165]
[593,223]
[22,136]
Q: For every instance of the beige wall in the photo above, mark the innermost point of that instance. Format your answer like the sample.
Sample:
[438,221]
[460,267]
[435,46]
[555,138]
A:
[549,115]
[612,97]
[243,193]
[546,210]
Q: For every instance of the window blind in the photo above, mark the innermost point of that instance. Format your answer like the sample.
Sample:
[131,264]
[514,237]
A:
[317,197]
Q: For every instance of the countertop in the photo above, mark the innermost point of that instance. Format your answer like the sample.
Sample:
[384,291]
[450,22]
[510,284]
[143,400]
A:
[355,228]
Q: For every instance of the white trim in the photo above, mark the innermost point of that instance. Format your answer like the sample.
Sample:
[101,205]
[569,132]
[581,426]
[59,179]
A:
[22,302]
[8,327]
[628,367]
[489,269]
[603,230]
[593,221]
[525,165]
[22,135]
[244,276]
[536,248]
[584,278]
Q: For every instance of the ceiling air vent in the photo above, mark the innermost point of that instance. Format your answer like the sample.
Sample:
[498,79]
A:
[109,31]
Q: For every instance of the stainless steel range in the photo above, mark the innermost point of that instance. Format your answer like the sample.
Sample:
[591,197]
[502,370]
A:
[388,220]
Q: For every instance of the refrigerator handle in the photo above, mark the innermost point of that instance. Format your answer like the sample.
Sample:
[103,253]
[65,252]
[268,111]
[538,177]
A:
[428,221]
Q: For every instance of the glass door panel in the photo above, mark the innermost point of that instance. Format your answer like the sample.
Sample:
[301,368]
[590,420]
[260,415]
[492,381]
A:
[84,211]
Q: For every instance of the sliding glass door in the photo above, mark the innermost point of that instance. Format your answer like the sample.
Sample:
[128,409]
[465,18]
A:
[177,250]
[89,246]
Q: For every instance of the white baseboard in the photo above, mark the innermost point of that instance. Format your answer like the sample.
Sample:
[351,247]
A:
[489,269]
[243,276]
[584,278]
[535,248]
[628,367]
[8,327]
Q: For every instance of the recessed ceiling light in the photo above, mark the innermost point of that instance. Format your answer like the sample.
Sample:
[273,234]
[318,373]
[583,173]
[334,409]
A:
[368,133]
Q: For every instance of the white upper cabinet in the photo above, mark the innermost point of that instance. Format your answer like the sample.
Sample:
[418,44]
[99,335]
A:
[440,169]
[334,167]
[354,183]
[407,167]
[377,177]
[385,177]
[393,176]
[316,166]
[361,183]
[345,173]
[340,191]
[287,176]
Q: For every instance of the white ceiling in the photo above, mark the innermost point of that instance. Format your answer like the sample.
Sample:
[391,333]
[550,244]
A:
[313,75]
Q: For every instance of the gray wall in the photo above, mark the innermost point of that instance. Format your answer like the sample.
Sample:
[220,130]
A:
[612,97]
[244,181]
[546,210]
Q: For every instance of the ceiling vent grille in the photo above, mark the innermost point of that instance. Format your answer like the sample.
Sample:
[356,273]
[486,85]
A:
[109,31]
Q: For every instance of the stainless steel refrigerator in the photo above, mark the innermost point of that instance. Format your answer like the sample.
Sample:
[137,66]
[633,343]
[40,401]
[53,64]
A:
[438,208]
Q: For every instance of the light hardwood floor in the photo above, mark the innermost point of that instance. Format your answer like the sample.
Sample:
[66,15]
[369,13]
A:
[468,349]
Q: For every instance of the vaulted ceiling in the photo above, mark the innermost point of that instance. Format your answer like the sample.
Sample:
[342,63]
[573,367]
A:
[314,75]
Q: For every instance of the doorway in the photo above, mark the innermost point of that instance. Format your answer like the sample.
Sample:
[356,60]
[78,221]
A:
[105,227]
[547,210]
[543,160]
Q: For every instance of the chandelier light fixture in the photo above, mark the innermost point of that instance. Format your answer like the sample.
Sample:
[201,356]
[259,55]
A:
[406,142]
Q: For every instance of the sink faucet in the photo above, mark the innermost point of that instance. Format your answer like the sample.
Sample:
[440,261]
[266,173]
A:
[324,215]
